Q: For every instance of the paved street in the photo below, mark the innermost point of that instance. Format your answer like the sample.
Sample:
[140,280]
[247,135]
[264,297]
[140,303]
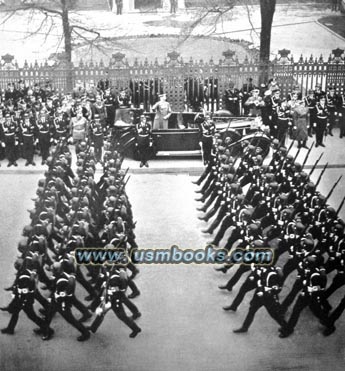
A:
[184,327]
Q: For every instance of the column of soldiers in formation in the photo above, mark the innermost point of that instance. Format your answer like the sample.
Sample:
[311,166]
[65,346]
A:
[72,211]
[36,118]
[278,206]
[299,117]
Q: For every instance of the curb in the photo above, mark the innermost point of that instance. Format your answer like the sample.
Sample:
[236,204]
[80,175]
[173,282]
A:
[329,30]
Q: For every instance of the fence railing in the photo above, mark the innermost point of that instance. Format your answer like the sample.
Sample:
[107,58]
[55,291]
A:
[186,83]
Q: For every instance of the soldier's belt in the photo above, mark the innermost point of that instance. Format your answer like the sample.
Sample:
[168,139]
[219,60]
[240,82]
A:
[25,291]
[62,295]
[44,131]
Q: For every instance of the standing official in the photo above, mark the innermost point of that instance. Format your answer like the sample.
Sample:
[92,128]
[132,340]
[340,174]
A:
[28,132]
[208,130]
[9,139]
[43,125]
[163,112]
[144,140]
[320,125]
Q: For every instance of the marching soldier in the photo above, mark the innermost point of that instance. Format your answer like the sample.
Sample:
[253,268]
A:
[266,294]
[62,299]
[114,298]
[24,297]
[311,295]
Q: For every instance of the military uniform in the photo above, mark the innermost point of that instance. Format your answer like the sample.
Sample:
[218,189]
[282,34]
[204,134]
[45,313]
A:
[9,133]
[320,126]
[44,135]
[266,294]
[28,133]
[24,297]
[144,140]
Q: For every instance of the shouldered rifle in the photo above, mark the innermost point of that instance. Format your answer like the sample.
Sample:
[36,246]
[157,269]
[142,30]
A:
[243,158]
[306,157]
[332,189]
[321,175]
[283,161]
[340,206]
[297,153]
[317,161]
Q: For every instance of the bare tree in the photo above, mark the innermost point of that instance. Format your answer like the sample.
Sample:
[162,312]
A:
[267,9]
[47,16]
[213,14]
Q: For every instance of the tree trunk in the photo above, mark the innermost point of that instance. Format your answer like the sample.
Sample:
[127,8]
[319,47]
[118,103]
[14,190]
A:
[267,8]
[67,33]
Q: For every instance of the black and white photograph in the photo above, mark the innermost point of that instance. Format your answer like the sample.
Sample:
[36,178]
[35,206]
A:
[172,185]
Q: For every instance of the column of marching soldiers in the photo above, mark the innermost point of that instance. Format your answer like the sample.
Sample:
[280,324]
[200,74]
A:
[73,211]
[278,206]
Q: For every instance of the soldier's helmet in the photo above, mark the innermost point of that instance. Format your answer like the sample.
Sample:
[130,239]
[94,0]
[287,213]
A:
[245,215]
[304,176]
[18,264]
[275,143]
[307,245]
[22,245]
[253,230]
[287,214]
[68,264]
[298,167]
[235,188]
[269,177]
[258,243]
[339,228]
[310,187]
[330,212]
